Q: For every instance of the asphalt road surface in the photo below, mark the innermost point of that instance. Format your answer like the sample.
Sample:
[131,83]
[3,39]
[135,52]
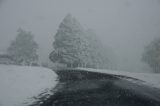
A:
[81,88]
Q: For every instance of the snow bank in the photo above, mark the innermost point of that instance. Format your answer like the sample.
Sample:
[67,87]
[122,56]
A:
[19,84]
[150,78]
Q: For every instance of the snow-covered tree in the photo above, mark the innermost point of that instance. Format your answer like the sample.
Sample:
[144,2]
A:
[100,55]
[69,43]
[151,55]
[24,48]
[76,47]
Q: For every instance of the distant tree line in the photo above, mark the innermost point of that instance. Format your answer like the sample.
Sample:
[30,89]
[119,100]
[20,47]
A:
[73,45]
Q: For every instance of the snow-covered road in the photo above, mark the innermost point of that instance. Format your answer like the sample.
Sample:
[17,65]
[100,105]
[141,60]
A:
[21,85]
[152,79]
[80,87]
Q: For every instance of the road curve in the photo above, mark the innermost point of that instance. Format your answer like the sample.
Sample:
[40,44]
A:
[82,88]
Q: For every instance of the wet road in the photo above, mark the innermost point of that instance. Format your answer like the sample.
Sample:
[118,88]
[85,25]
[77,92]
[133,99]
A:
[81,88]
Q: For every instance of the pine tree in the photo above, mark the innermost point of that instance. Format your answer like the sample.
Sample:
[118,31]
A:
[69,43]
[151,55]
[76,47]
[24,48]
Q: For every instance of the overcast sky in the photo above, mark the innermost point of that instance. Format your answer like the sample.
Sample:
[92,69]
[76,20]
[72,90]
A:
[124,25]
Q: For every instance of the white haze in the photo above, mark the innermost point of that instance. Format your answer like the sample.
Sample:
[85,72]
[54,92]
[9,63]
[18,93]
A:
[124,25]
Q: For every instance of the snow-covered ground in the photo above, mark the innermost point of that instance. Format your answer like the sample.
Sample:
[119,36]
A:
[18,85]
[152,79]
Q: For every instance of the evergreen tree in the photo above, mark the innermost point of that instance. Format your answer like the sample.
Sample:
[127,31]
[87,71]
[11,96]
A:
[151,55]
[69,43]
[24,48]
[76,47]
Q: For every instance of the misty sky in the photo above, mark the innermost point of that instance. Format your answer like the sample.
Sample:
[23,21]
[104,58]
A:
[124,25]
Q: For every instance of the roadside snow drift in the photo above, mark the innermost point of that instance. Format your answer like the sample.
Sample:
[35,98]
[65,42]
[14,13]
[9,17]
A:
[18,85]
[152,79]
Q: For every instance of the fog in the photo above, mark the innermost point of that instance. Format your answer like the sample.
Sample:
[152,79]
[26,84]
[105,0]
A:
[124,25]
